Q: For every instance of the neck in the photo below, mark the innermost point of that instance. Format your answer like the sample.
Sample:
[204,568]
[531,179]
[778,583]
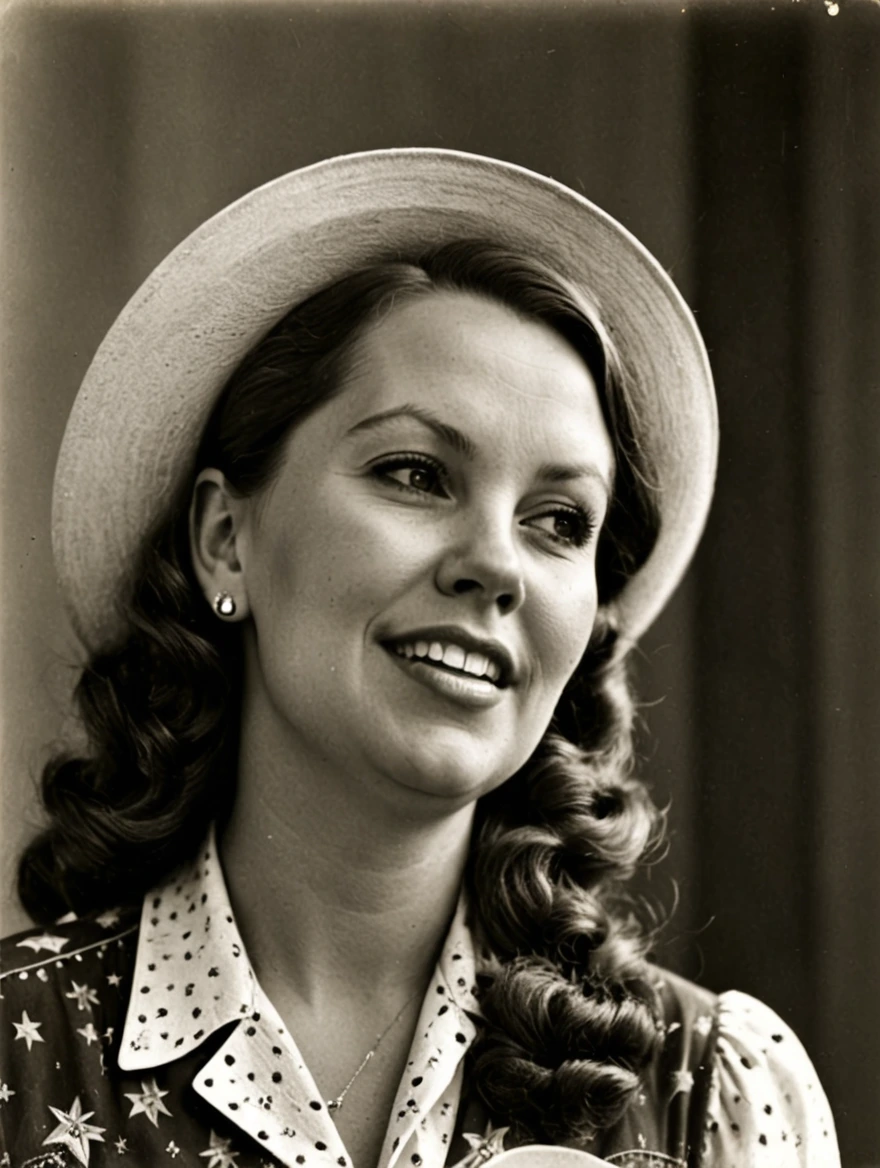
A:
[336,892]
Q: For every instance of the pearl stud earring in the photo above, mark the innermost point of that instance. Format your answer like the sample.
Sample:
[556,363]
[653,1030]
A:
[224,604]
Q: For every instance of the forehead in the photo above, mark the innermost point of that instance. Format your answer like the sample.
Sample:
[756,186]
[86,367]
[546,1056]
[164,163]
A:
[484,367]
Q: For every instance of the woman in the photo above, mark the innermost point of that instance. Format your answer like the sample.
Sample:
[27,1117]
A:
[364,500]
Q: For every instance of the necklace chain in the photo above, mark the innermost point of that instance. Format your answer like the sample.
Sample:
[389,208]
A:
[336,1104]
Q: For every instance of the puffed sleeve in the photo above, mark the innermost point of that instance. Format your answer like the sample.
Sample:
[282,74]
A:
[766,1108]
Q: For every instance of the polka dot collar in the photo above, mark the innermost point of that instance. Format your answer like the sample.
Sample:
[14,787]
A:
[192,976]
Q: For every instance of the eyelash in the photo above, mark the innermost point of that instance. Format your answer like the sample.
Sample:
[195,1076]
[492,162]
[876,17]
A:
[583,521]
[384,469]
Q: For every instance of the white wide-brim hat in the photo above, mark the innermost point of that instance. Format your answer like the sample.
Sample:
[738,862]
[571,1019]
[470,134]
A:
[137,420]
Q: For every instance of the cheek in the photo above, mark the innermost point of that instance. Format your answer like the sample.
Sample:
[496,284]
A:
[562,630]
[338,560]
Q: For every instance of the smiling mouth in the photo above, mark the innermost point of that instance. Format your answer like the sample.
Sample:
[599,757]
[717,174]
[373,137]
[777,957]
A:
[451,658]
[455,657]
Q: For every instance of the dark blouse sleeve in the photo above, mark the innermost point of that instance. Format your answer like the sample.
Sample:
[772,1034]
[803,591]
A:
[766,1107]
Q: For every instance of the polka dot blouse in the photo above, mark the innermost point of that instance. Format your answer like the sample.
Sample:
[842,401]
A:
[766,1106]
[143,1038]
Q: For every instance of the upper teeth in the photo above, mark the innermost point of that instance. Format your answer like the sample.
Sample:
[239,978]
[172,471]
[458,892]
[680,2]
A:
[454,656]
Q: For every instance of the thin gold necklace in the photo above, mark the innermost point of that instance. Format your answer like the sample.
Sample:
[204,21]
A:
[336,1104]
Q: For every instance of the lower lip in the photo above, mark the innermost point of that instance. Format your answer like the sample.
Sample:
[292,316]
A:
[475,692]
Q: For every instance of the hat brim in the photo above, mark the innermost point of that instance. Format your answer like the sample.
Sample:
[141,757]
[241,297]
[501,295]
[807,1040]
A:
[136,422]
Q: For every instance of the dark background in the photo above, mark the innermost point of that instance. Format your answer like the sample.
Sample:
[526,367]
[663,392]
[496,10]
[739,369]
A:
[741,143]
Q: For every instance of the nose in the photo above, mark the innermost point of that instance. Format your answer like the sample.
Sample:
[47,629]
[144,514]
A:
[486,563]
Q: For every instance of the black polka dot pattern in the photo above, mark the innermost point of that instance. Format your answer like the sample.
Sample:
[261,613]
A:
[193,976]
[255,1082]
[766,1110]
[764,1107]
[193,972]
[177,956]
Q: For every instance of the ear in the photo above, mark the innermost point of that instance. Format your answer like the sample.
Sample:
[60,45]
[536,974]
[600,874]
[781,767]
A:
[216,516]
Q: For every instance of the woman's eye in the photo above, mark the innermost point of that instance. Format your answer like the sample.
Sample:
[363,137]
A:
[419,475]
[419,479]
[565,525]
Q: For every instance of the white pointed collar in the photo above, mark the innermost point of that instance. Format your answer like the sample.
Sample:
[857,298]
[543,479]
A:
[192,976]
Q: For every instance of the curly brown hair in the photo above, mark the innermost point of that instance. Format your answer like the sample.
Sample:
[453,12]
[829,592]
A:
[570,1015]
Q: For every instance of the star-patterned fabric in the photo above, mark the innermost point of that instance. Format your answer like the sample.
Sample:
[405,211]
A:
[141,1037]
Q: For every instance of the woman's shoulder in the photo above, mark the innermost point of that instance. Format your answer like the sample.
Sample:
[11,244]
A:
[68,939]
[55,980]
[766,1097]
[730,1084]
[741,1077]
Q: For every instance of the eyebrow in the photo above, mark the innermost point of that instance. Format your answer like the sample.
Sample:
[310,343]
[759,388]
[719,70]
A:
[449,434]
[553,472]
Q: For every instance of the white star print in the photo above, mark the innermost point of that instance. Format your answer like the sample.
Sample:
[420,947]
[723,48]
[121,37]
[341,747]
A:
[149,1103]
[109,918]
[42,975]
[703,1025]
[113,979]
[89,1033]
[73,1131]
[44,941]
[173,1149]
[483,1147]
[27,1030]
[121,1146]
[683,1081]
[220,1153]
[85,996]
[6,1092]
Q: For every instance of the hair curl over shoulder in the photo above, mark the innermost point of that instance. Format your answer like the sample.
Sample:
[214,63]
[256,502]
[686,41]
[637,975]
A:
[568,1000]
[570,1015]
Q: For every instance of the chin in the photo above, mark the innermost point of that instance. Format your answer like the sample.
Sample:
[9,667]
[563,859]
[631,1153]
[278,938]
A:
[452,767]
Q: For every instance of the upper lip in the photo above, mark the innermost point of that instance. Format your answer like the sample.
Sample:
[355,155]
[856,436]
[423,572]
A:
[470,642]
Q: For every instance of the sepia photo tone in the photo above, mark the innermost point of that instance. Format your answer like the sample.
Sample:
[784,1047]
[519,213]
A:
[740,142]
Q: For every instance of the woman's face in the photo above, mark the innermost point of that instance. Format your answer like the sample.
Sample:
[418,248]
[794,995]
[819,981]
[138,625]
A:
[421,572]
